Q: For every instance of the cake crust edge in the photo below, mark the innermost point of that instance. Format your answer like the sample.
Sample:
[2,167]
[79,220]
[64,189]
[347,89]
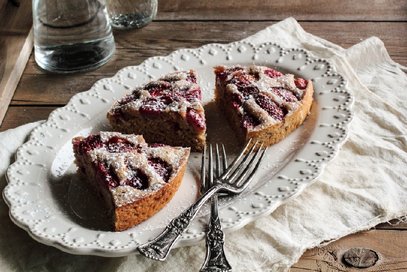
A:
[275,133]
[132,214]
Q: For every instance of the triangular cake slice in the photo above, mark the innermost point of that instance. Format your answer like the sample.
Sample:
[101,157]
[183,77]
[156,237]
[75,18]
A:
[262,103]
[135,179]
[167,110]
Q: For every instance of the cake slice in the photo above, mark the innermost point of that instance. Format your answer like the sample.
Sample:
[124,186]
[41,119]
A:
[262,103]
[167,111]
[135,179]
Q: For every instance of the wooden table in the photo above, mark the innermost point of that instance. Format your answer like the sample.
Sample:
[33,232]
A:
[185,23]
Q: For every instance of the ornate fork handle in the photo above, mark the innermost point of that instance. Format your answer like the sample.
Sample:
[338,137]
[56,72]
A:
[215,255]
[160,246]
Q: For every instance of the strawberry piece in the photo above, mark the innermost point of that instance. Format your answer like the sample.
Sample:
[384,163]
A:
[272,73]
[268,105]
[249,121]
[300,83]
[161,167]
[195,119]
[117,144]
[137,179]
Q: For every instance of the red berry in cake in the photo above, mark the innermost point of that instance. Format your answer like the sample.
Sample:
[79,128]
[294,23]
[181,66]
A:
[242,79]
[284,94]
[249,121]
[137,179]
[112,178]
[237,100]
[157,88]
[101,168]
[192,94]
[222,73]
[107,175]
[92,142]
[117,144]
[248,91]
[300,83]
[195,119]
[268,105]
[272,73]
[161,167]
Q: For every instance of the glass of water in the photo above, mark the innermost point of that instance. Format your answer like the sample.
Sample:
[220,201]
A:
[131,13]
[71,35]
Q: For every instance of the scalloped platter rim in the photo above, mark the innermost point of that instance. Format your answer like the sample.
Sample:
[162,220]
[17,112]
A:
[44,164]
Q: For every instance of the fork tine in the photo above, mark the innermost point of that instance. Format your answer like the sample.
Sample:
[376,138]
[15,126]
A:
[225,160]
[218,167]
[235,161]
[241,164]
[247,174]
[210,182]
[203,169]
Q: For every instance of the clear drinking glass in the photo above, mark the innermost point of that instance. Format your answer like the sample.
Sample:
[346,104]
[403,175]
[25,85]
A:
[71,35]
[131,13]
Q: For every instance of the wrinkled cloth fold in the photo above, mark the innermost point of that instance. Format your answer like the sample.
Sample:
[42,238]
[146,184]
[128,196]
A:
[365,184]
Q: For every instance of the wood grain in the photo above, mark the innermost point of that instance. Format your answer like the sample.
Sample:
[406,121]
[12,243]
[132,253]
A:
[332,10]
[17,116]
[389,245]
[17,50]
[161,38]
[395,224]
[15,20]
[16,43]
[35,87]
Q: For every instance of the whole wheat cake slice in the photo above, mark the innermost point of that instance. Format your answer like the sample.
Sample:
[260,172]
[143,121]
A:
[135,179]
[262,103]
[167,110]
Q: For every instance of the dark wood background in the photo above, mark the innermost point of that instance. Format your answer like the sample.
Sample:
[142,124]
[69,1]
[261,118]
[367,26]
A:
[186,23]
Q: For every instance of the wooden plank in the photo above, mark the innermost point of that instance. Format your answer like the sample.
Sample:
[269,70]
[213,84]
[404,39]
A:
[333,10]
[17,116]
[15,20]
[58,89]
[16,41]
[15,51]
[161,38]
[390,247]
[395,224]
[35,86]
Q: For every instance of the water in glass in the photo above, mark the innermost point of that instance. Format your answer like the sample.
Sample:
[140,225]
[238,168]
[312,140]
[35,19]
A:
[71,35]
[131,13]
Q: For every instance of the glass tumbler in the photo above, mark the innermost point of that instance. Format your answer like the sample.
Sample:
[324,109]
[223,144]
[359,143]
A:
[131,13]
[71,35]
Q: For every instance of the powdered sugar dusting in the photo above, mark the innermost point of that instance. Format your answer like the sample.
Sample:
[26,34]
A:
[265,119]
[171,155]
[251,81]
[172,95]
[123,163]
[125,194]
[135,139]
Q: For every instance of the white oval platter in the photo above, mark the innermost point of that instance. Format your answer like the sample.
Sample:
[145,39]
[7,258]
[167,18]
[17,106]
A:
[48,200]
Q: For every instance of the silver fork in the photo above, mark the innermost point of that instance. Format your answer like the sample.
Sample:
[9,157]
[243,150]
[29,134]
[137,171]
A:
[215,259]
[235,180]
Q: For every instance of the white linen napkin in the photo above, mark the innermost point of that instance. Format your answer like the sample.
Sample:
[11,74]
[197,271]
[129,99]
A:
[364,185]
